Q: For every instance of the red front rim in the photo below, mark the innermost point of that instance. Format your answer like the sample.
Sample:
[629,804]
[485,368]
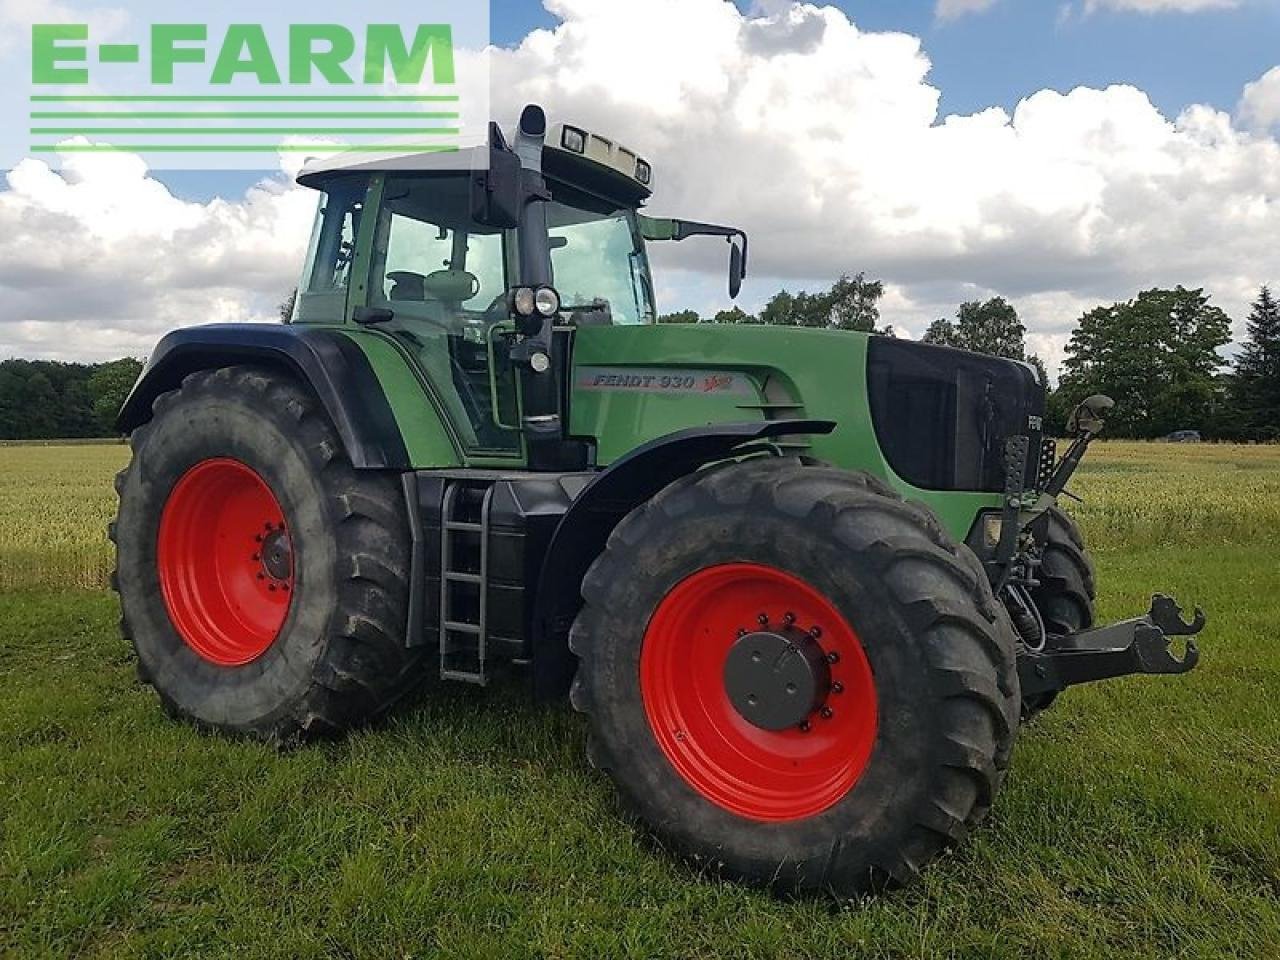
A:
[225,562]
[761,774]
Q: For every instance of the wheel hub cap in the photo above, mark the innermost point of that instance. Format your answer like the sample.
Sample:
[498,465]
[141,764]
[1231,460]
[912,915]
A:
[277,555]
[777,679]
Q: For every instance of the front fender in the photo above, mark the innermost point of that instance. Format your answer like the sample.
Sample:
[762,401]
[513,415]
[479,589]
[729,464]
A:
[585,528]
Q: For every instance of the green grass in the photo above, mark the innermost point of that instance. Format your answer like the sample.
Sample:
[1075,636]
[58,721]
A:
[1142,817]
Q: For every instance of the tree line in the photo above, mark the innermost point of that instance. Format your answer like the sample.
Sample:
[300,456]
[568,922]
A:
[50,400]
[1157,355]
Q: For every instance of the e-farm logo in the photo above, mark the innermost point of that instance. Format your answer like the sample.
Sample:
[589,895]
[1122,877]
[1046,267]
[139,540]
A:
[201,90]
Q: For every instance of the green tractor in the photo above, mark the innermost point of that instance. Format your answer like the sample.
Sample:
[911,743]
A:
[805,585]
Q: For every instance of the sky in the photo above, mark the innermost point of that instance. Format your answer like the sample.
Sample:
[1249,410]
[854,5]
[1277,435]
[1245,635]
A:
[1062,154]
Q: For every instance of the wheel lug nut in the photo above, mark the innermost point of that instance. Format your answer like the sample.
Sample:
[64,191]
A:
[833,657]
[837,686]
[827,713]
[789,618]
[271,587]
[763,620]
[257,556]
[805,726]
[262,576]
[257,537]
[742,631]
[815,632]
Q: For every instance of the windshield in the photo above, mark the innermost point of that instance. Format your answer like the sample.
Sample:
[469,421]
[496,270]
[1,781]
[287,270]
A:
[598,261]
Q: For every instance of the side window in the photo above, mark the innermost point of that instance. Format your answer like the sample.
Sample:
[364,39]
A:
[322,295]
[430,269]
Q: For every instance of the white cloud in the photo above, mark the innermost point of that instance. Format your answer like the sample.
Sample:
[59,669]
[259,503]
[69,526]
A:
[1161,6]
[822,140]
[834,156]
[1260,105]
[953,9]
[100,261]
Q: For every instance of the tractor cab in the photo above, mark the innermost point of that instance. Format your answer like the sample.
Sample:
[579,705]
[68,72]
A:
[481,267]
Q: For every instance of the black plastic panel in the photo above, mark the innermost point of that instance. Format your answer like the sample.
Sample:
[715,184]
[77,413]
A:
[941,415]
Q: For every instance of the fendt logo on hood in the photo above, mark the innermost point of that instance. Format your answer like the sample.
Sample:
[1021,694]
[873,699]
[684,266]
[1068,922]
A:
[666,380]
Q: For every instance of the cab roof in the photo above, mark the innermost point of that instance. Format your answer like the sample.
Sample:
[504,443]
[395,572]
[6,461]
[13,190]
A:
[571,153]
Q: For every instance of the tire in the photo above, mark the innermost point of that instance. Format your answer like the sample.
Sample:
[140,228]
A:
[1066,594]
[309,645]
[919,636]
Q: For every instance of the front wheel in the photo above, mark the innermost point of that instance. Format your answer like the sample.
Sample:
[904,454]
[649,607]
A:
[796,678]
[1065,593]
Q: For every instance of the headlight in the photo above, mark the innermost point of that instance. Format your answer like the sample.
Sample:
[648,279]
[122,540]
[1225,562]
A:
[574,140]
[644,172]
[546,301]
[523,301]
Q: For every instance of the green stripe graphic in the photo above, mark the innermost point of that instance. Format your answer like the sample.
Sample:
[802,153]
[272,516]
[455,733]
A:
[233,131]
[230,115]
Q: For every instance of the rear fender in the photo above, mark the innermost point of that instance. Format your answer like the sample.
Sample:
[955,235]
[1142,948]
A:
[329,362]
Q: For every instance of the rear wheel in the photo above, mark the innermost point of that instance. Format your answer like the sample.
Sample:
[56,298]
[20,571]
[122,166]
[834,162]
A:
[796,678]
[263,581]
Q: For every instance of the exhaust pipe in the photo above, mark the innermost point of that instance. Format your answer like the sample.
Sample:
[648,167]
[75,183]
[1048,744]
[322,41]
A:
[540,378]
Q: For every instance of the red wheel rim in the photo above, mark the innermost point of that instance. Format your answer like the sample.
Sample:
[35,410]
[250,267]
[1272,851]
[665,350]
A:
[225,562]
[760,774]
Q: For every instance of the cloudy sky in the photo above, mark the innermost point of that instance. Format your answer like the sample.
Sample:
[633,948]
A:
[1060,154]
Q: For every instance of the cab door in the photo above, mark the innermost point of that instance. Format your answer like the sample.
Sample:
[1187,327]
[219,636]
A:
[443,281]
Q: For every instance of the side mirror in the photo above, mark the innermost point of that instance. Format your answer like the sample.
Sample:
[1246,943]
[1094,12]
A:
[495,193]
[737,270]
[1088,417]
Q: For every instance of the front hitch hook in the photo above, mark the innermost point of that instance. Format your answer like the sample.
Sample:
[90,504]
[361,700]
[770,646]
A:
[1167,615]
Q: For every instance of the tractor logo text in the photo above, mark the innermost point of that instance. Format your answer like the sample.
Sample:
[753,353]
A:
[660,380]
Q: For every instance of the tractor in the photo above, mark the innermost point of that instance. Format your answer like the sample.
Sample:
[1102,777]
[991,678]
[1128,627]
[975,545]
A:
[804,584]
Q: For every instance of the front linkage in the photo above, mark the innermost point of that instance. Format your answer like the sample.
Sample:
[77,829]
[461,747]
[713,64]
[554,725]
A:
[1140,645]
[1048,663]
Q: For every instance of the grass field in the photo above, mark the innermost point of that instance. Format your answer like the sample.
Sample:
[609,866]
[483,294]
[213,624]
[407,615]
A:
[1142,817]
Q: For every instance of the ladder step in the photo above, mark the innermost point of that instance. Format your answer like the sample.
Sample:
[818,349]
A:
[453,626]
[463,659]
[465,676]
[456,577]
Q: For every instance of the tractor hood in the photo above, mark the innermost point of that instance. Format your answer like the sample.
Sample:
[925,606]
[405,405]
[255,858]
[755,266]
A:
[931,421]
